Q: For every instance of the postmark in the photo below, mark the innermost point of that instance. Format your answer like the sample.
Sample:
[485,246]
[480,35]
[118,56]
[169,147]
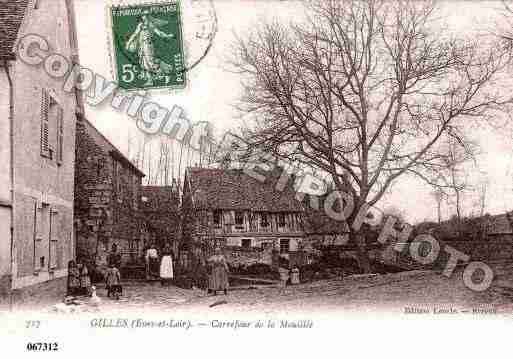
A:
[154,45]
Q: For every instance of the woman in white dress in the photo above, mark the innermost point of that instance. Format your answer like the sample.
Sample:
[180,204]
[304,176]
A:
[166,266]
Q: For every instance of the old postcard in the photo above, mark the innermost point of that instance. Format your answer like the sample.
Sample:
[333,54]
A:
[308,178]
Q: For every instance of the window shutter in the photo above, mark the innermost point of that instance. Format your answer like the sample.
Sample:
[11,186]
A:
[53,245]
[60,136]
[45,105]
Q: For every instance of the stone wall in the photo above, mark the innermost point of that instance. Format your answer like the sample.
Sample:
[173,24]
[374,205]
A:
[42,180]
[106,200]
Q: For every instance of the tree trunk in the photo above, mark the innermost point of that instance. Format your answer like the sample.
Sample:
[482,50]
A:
[363,257]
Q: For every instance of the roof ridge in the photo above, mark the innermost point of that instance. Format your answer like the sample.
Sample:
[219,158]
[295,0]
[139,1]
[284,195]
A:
[12,14]
[109,142]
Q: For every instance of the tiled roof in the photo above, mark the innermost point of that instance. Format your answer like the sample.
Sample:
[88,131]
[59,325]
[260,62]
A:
[11,16]
[159,198]
[233,189]
[101,140]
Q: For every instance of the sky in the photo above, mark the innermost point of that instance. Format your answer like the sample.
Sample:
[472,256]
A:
[212,91]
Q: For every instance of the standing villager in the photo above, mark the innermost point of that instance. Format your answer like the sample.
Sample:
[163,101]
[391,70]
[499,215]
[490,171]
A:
[113,282]
[218,278]
[200,273]
[166,265]
[152,263]
[85,280]
[73,287]
[114,257]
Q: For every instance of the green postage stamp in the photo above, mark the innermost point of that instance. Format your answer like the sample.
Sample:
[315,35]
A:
[147,46]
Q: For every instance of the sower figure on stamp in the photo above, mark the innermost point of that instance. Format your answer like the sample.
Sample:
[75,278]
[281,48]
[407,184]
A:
[218,278]
[141,41]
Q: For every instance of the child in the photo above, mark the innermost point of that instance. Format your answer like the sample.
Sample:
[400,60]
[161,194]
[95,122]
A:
[85,280]
[73,279]
[113,281]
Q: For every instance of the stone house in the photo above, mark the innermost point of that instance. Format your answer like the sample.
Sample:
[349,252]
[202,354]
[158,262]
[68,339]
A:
[247,217]
[107,199]
[37,141]
[161,216]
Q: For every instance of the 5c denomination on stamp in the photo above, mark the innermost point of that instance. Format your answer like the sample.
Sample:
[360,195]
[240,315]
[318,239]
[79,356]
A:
[147,45]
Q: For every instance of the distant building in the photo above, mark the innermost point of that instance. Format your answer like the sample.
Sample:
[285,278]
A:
[230,208]
[160,212]
[37,141]
[107,199]
[321,230]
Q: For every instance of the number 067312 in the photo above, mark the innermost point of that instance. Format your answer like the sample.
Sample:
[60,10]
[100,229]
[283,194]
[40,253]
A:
[42,347]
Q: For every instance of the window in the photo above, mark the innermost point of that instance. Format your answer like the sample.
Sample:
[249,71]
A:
[99,167]
[228,219]
[60,136]
[52,123]
[284,245]
[264,220]
[246,243]
[281,219]
[217,217]
[203,219]
[45,125]
[53,254]
[52,257]
[42,232]
[239,218]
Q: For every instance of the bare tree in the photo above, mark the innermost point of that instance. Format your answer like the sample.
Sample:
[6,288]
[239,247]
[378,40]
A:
[365,88]
[439,196]
[459,152]
[504,28]
[482,191]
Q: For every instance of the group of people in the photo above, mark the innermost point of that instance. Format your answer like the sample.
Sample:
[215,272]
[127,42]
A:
[215,269]
[157,267]
[79,281]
